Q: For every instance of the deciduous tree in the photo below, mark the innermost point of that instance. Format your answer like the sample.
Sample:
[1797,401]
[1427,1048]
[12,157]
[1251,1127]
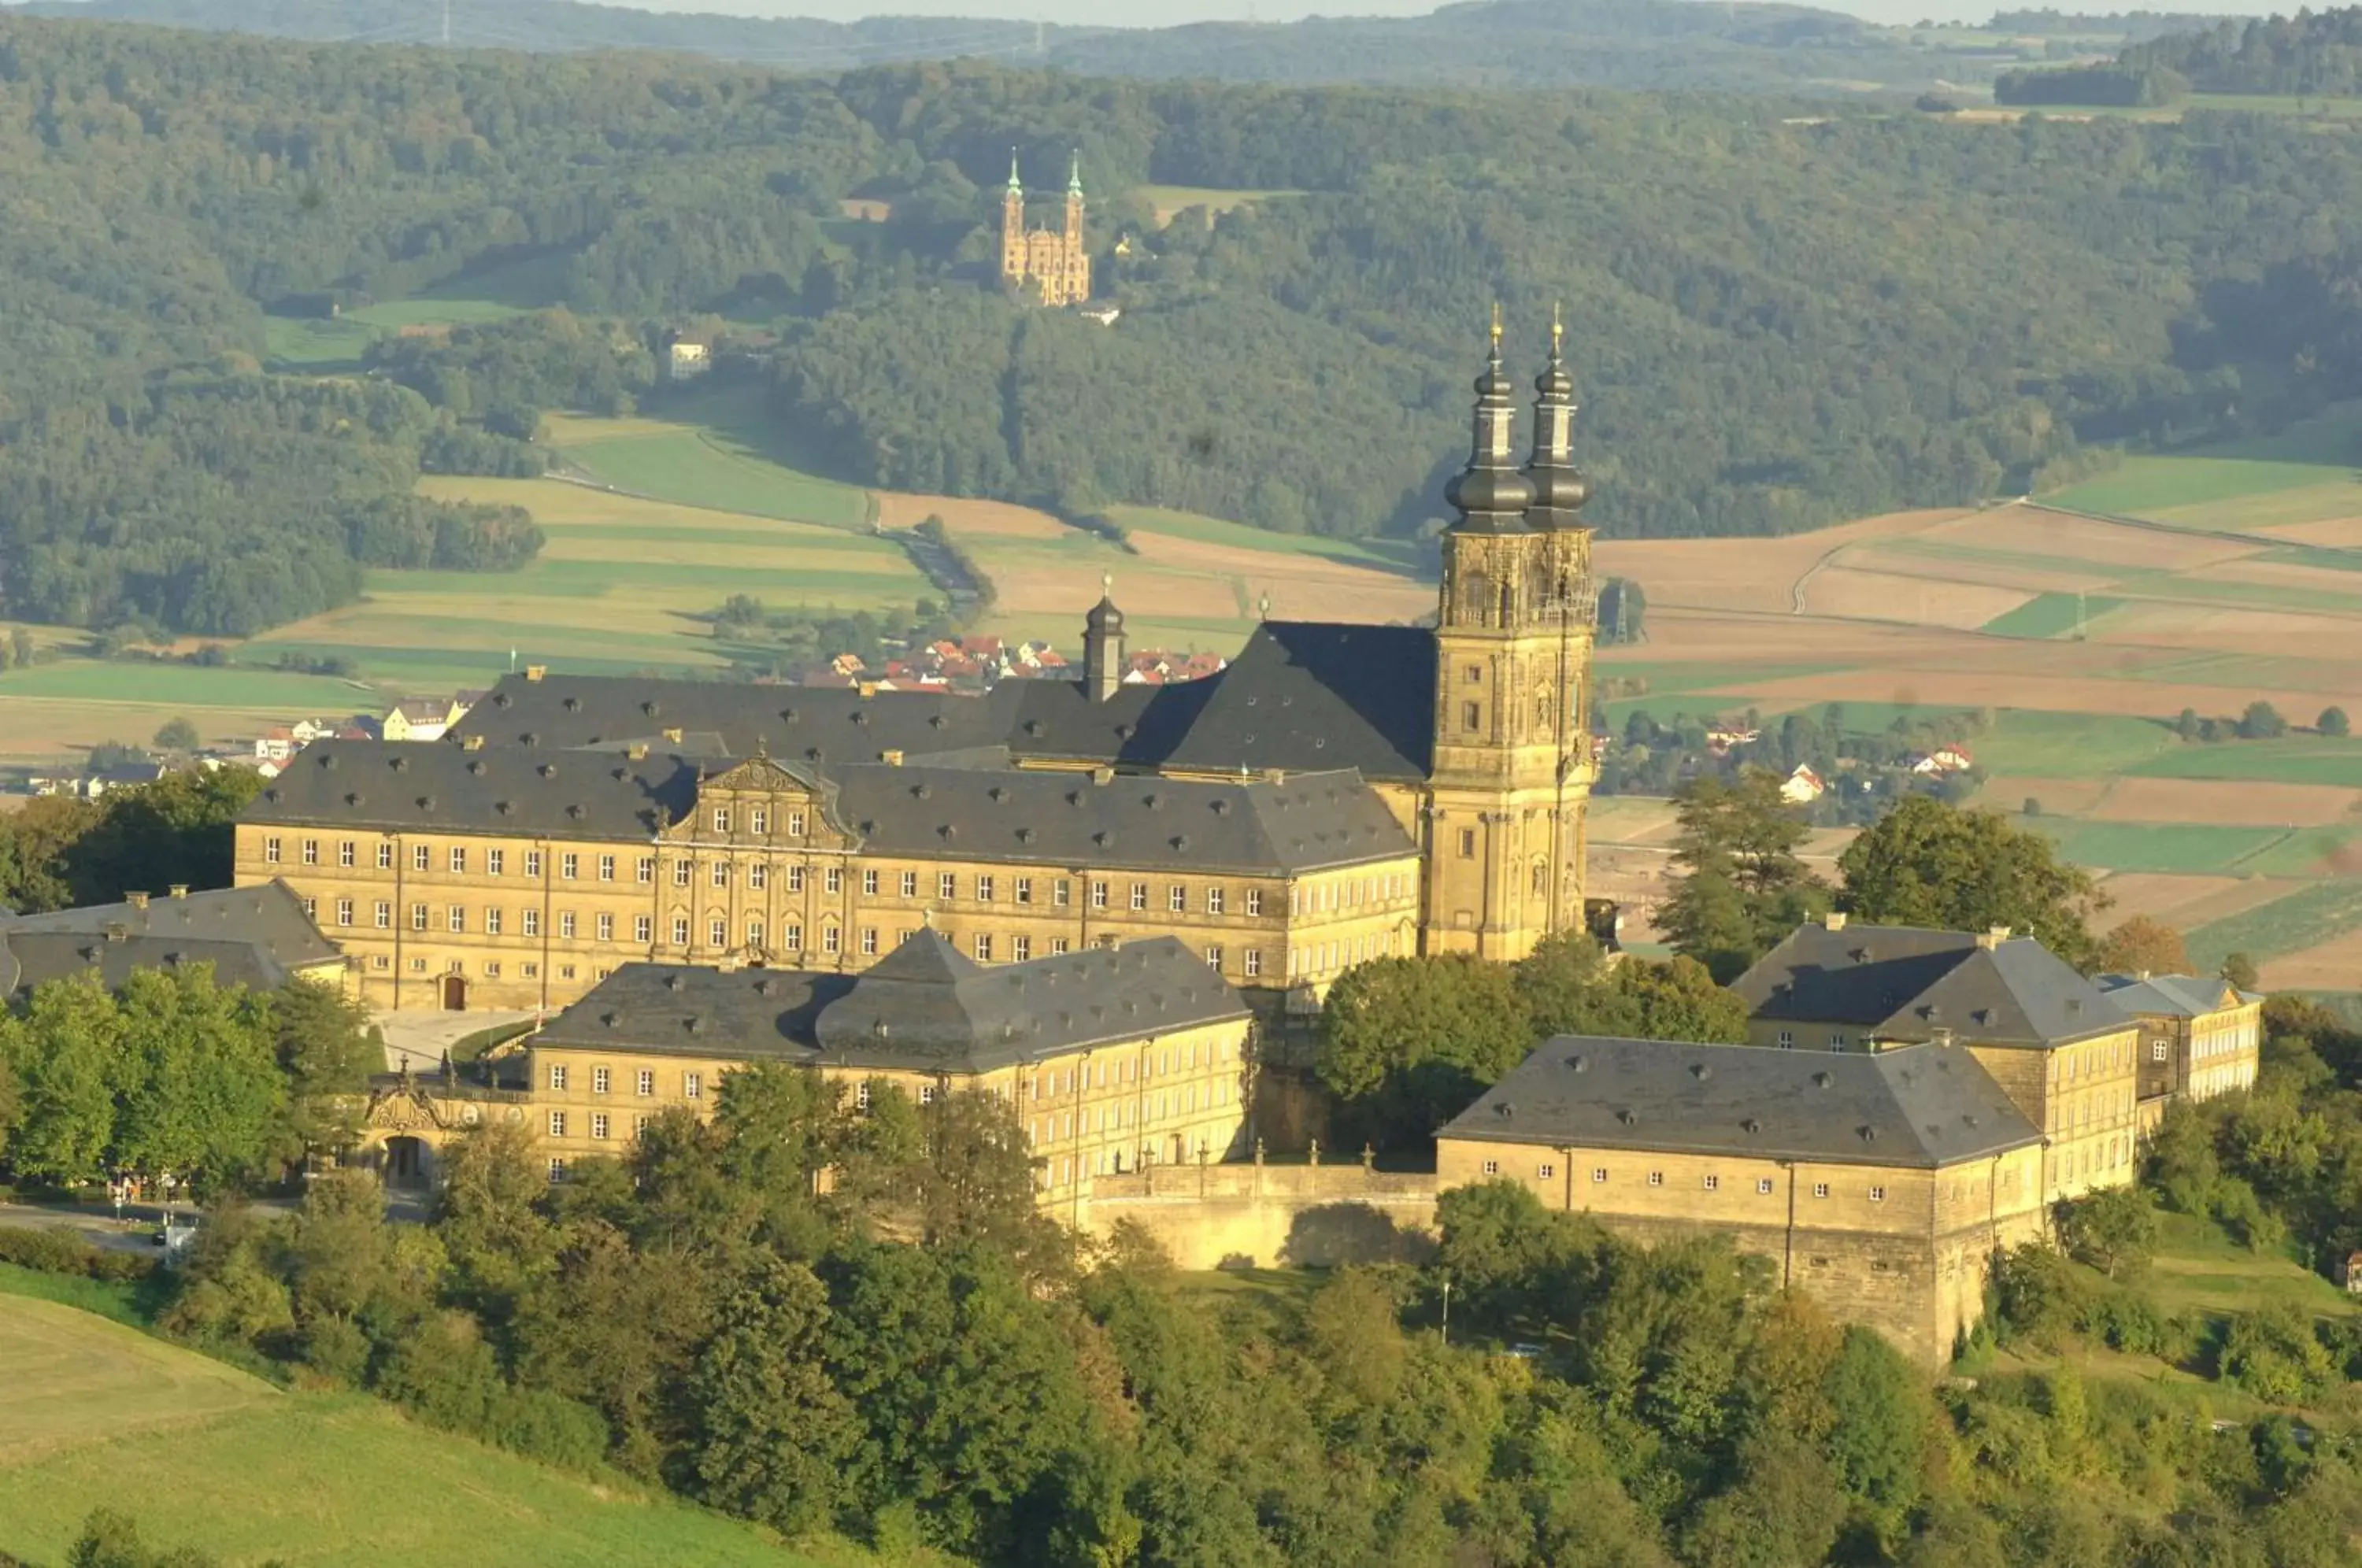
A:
[2142,945]
[1927,864]
[1741,887]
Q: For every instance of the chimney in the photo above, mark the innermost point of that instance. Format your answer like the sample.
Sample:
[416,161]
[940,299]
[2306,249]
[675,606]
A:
[637,751]
[1103,644]
[1993,937]
[180,889]
[117,931]
[536,671]
[1835,920]
[1102,775]
[472,743]
[890,758]
[136,900]
[673,735]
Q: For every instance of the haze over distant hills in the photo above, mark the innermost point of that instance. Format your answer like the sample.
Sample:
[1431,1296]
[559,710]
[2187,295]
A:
[1752,46]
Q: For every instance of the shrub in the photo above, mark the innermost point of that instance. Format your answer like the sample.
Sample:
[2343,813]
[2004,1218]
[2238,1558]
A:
[59,1249]
[2333,721]
[2273,1354]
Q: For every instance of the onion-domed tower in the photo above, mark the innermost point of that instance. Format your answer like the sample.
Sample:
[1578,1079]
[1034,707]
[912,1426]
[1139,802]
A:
[1509,781]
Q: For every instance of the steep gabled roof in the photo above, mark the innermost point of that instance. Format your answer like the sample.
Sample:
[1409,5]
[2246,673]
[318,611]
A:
[1921,1105]
[2173,995]
[923,1008]
[252,936]
[1910,983]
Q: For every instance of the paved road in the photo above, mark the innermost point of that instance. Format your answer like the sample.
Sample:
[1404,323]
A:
[418,1039]
[135,1232]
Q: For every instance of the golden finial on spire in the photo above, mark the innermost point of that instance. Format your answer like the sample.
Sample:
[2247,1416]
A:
[1496,327]
[1558,330]
[1106,583]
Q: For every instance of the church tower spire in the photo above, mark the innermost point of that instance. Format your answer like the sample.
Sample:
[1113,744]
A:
[1505,791]
[1012,225]
[1560,488]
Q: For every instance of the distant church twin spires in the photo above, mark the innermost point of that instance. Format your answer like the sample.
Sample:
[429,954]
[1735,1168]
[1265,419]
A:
[1493,494]
[1055,264]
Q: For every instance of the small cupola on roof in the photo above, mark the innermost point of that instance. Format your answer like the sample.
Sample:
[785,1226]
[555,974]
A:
[1490,495]
[1560,488]
[1103,647]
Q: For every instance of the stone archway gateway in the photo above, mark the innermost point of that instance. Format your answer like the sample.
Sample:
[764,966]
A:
[455,993]
[407,1161]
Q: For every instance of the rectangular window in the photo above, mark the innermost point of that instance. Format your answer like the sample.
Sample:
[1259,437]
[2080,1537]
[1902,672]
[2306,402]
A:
[1099,895]
[566,924]
[692,1085]
[1213,958]
[1787,1040]
[344,911]
[597,1125]
[795,824]
[832,939]
[491,920]
[1820,1189]
[910,884]
[721,819]
[646,869]
[755,931]
[758,819]
[1214,900]
[458,860]
[1025,889]
[646,1083]
[1057,946]
[681,873]
[1599,1172]
[533,863]
[311,851]
[639,1127]
[717,932]
[868,941]
[311,909]
[556,1168]
[556,1076]
[1471,715]
[383,915]
[984,946]
[1878,1195]
[861,1094]
[795,878]
[1254,962]
[926,1094]
[1467,843]
[600,1079]
[1545,1170]
[1176,899]
[758,876]
[457,917]
[385,856]
[1656,1179]
[946,884]
[1472,674]
[1836,1040]
[1254,901]
[1139,895]
[529,921]
[791,938]
[1062,892]
[985,889]
[1713,1184]
[496,861]
[681,931]
[643,928]
[2156,1051]
[558,1125]
[1021,948]
[835,879]
[1764,1183]
[270,850]
[718,873]
[868,884]
[420,856]
[606,928]
[1492,1167]
[606,868]
[345,853]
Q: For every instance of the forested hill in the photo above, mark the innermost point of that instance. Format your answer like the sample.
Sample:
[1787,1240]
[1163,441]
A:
[2311,52]
[1776,321]
[1748,45]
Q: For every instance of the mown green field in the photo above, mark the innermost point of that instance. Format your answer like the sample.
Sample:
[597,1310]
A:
[713,450]
[487,293]
[2230,484]
[2050,615]
[2296,759]
[2070,745]
[93,1413]
[193,685]
[2306,918]
[2186,848]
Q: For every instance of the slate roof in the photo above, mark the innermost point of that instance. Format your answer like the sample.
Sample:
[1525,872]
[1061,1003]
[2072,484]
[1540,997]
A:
[1309,821]
[966,807]
[1921,1105]
[407,787]
[2172,996]
[923,1008]
[252,936]
[1908,983]
[1301,695]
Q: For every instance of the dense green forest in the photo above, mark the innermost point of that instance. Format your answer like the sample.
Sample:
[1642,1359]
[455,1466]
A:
[1775,323]
[2316,52]
[1752,46]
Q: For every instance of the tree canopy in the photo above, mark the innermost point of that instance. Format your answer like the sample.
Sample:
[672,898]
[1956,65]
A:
[1927,864]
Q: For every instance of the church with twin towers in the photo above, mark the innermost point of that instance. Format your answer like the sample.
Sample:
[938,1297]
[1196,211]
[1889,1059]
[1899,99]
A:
[1339,792]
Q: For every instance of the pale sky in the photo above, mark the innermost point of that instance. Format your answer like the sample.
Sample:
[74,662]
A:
[1167,13]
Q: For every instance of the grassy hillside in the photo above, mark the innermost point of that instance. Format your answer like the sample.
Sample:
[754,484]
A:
[97,1413]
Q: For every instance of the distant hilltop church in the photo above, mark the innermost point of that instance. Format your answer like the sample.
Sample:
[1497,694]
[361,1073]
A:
[1055,262]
